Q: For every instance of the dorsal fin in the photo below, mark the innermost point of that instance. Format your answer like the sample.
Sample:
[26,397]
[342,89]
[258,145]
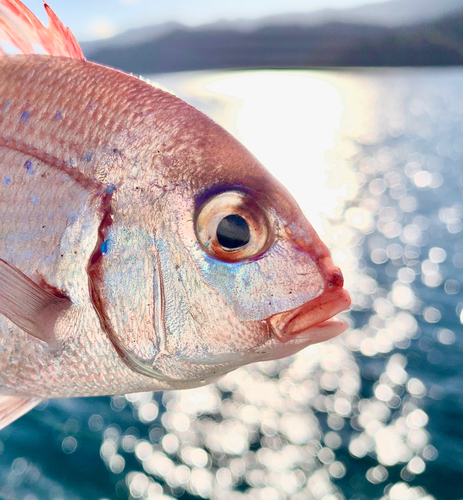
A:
[20,28]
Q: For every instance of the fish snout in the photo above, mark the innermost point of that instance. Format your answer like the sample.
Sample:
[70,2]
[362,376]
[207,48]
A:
[315,320]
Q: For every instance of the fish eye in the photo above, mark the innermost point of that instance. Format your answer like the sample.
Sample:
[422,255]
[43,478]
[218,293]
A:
[232,227]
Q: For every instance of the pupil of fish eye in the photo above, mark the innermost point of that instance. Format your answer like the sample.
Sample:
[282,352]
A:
[233,232]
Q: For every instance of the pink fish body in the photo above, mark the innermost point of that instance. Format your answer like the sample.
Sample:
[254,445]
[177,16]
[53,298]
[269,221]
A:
[142,247]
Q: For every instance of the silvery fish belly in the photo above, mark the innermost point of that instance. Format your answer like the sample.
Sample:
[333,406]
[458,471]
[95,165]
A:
[141,246]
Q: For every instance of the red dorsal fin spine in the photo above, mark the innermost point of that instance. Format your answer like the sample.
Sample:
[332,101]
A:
[20,28]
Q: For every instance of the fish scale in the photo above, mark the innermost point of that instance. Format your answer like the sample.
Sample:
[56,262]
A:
[42,214]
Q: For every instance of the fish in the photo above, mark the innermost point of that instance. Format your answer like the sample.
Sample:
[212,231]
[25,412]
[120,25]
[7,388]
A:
[142,247]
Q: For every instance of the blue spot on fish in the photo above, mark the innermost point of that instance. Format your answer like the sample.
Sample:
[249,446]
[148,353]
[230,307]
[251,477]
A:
[105,246]
[7,180]
[58,115]
[34,200]
[25,116]
[72,217]
[110,188]
[6,106]
[28,167]
[88,156]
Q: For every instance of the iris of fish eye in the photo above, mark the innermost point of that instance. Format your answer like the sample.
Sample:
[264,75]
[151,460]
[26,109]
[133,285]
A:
[233,232]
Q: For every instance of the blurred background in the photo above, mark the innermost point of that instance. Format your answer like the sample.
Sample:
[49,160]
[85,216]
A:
[373,154]
[146,36]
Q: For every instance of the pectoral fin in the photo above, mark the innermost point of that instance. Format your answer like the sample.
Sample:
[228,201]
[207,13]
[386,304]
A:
[11,408]
[27,305]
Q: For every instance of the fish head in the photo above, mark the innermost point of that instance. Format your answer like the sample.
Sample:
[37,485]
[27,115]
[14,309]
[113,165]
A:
[209,263]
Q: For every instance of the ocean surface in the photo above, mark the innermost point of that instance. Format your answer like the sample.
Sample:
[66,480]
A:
[375,159]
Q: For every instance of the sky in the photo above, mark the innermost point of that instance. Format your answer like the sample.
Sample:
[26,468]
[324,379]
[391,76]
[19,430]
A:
[93,19]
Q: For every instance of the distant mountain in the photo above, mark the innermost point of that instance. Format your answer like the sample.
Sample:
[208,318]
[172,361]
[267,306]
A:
[285,46]
[431,44]
[391,13]
[173,47]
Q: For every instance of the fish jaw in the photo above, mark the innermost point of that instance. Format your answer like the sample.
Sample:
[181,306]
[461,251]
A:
[314,321]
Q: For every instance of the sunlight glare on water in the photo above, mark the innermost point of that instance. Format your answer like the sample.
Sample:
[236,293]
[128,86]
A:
[289,121]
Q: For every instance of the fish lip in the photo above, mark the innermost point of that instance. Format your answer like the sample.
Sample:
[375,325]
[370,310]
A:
[313,320]
[322,331]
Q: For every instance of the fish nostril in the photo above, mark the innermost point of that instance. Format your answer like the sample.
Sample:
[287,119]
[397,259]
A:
[333,275]
[336,280]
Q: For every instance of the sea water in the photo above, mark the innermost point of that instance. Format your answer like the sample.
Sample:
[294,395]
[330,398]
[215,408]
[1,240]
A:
[375,159]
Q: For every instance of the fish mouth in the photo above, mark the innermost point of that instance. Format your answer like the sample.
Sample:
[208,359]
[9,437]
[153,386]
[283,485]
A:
[314,321]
